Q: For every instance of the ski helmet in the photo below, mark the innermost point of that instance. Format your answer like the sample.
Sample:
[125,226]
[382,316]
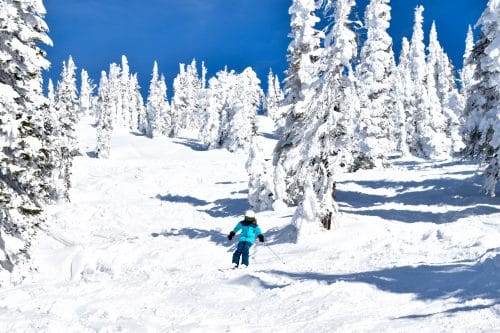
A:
[250,214]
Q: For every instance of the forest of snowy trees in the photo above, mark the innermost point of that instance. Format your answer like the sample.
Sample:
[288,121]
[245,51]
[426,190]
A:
[347,103]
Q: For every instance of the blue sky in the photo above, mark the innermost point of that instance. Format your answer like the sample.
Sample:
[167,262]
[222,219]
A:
[236,33]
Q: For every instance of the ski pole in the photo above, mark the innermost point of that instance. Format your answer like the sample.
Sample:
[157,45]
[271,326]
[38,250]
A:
[277,256]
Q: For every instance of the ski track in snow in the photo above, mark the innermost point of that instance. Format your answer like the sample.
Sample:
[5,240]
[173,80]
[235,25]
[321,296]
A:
[416,249]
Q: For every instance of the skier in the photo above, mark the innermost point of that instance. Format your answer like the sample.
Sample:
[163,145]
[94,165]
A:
[249,230]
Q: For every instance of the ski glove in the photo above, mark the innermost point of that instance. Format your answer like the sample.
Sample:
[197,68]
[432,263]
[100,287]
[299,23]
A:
[231,235]
[261,238]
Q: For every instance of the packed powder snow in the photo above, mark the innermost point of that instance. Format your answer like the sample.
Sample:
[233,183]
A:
[139,248]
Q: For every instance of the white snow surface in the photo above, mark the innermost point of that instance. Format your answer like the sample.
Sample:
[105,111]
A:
[415,249]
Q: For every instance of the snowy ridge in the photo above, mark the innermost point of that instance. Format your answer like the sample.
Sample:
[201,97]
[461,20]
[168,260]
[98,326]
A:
[417,247]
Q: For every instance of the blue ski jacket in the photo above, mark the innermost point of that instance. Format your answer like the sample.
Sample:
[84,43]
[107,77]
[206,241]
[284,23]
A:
[249,231]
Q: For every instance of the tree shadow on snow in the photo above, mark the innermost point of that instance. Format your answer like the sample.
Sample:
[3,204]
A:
[229,183]
[240,192]
[214,236]
[228,207]
[182,199]
[270,136]
[411,216]
[221,208]
[464,281]
[284,235]
[465,193]
[92,154]
[430,164]
[191,143]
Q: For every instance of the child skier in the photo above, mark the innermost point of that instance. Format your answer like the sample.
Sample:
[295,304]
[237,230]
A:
[249,230]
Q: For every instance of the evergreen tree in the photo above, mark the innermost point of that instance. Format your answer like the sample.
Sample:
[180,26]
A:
[164,107]
[434,131]
[302,76]
[67,106]
[305,217]
[52,113]
[138,116]
[26,153]
[428,133]
[280,114]
[114,84]
[204,72]
[219,97]
[304,50]
[482,130]
[327,139]
[260,181]
[230,114]
[187,86]
[104,117]
[157,107]
[126,95]
[377,120]
[273,98]
[442,76]
[468,67]
[241,126]
[86,91]
[269,98]
[404,86]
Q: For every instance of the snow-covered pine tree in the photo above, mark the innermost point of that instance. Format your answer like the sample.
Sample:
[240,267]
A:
[404,86]
[442,76]
[377,65]
[304,218]
[185,103]
[260,180]
[203,80]
[165,110]
[241,126]
[482,130]
[151,126]
[86,91]
[439,144]
[279,115]
[115,92]
[138,116]
[270,96]
[51,94]
[203,101]
[51,97]
[157,107]
[126,98]
[220,88]
[230,113]
[428,139]
[104,117]
[273,98]
[468,67]
[304,52]
[68,107]
[59,189]
[26,152]
[327,139]
[269,102]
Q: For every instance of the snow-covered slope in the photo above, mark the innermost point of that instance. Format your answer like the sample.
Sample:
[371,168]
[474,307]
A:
[139,248]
